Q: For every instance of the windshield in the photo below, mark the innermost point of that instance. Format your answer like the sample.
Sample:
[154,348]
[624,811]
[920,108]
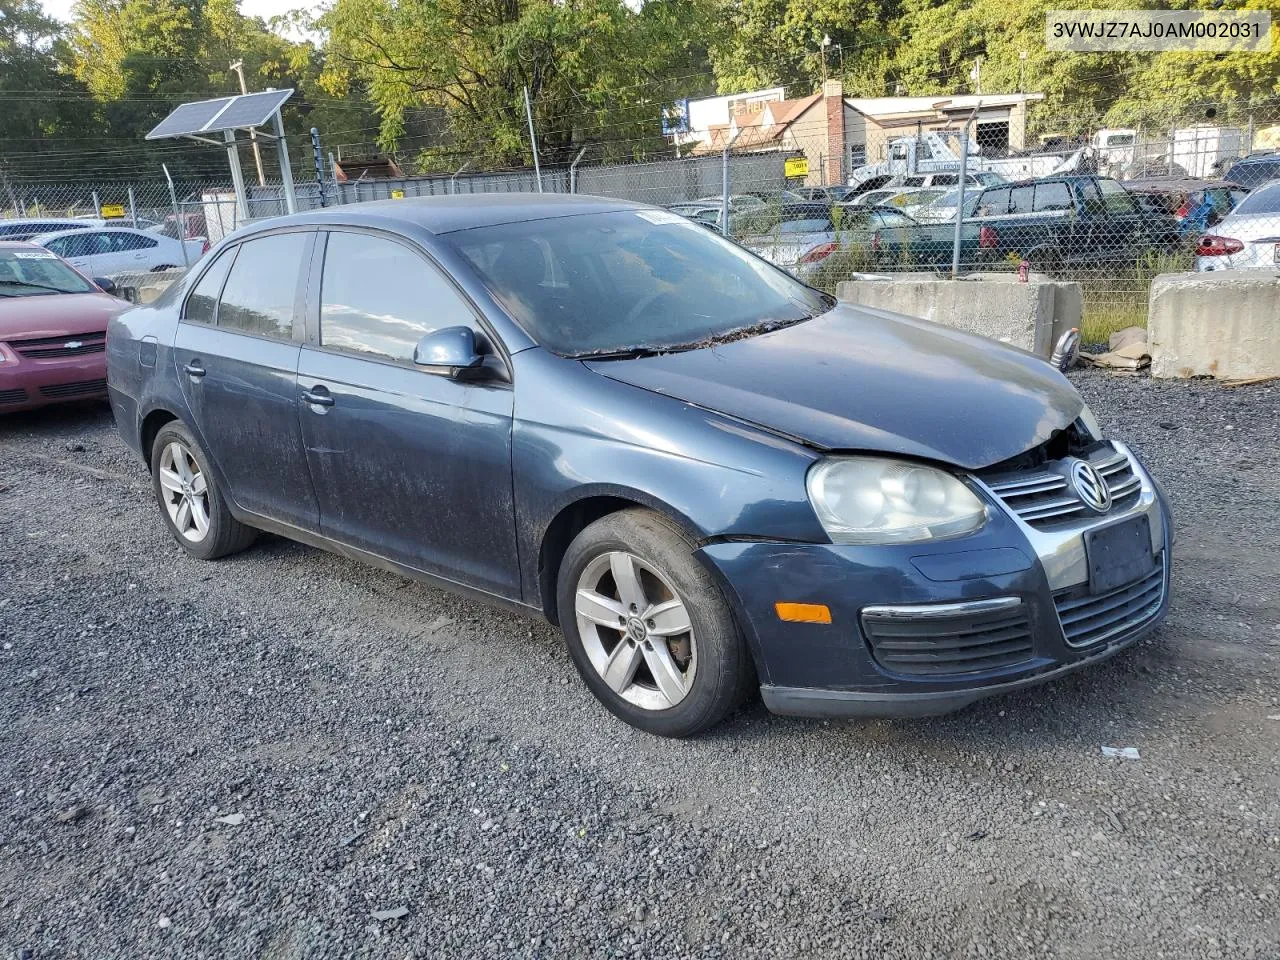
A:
[29,273]
[633,281]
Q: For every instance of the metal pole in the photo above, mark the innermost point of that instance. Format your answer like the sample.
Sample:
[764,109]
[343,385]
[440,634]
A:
[97,205]
[573,171]
[724,192]
[453,181]
[238,69]
[237,175]
[286,171]
[133,210]
[179,224]
[533,138]
[315,152]
[964,166]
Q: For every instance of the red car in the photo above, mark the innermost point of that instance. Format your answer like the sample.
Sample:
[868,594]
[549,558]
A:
[53,330]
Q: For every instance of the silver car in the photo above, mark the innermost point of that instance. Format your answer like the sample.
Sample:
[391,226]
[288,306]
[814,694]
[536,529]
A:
[1248,238]
[798,237]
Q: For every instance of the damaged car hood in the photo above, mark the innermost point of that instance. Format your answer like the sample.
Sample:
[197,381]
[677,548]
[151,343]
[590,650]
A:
[857,379]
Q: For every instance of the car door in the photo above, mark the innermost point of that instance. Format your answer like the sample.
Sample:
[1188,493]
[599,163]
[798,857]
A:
[408,465]
[236,352]
[136,253]
[89,253]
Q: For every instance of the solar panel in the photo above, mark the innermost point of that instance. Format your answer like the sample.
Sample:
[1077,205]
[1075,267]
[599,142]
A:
[251,110]
[226,113]
[188,118]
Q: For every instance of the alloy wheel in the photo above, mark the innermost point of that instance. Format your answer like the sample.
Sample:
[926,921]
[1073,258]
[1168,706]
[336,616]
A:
[185,491]
[636,631]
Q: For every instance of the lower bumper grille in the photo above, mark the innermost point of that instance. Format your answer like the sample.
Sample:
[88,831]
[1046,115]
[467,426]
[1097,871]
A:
[82,388]
[1087,620]
[948,640]
[13,396]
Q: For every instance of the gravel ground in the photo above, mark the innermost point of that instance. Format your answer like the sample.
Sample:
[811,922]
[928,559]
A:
[260,756]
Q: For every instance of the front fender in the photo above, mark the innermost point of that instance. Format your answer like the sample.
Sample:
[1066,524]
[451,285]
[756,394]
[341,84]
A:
[715,477]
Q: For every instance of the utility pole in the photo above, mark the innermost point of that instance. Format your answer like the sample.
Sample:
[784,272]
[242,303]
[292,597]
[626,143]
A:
[238,69]
[533,137]
[315,152]
[976,75]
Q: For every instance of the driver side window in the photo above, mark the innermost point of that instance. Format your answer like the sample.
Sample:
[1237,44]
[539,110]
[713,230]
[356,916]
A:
[379,298]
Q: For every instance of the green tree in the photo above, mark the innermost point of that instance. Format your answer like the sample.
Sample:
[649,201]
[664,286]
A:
[42,105]
[597,72]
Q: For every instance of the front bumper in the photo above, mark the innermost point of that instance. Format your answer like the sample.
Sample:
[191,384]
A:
[967,618]
[26,383]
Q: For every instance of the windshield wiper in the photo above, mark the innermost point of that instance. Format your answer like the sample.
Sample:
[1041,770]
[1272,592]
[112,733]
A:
[631,353]
[33,286]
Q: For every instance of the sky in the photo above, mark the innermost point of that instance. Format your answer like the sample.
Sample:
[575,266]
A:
[250,8]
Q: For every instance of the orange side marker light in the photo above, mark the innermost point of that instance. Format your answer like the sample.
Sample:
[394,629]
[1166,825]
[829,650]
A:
[803,612]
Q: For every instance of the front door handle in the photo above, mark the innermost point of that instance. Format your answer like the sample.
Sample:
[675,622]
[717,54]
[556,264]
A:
[194,370]
[319,396]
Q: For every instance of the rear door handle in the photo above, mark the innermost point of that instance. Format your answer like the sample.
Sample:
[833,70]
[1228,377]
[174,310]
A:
[319,396]
[194,370]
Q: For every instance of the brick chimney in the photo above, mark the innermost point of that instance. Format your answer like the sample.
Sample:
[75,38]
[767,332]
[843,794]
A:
[833,100]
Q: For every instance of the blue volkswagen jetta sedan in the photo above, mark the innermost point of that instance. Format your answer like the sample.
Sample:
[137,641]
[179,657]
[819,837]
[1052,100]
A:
[709,475]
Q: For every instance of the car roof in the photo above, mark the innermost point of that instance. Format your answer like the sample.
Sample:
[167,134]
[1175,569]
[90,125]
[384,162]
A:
[445,214]
[19,245]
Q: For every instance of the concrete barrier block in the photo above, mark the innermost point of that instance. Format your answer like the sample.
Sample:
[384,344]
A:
[1224,324]
[1029,315]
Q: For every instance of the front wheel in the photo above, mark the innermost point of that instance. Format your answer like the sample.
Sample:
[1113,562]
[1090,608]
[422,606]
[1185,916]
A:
[648,628]
[193,507]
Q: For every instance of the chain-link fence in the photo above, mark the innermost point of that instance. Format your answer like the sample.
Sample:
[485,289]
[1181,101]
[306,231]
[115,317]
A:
[1109,212]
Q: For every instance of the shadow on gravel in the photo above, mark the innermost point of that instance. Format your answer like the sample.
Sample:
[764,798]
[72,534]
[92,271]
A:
[57,421]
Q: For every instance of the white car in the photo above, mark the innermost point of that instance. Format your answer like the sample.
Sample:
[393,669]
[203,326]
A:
[943,209]
[101,252]
[1248,238]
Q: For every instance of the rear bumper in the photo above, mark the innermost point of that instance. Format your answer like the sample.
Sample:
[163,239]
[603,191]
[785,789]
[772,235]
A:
[28,384]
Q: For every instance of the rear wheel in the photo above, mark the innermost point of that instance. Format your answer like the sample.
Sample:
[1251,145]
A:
[647,627]
[192,505]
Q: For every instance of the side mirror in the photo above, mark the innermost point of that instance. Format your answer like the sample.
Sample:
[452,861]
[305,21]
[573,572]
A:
[450,352]
[105,285]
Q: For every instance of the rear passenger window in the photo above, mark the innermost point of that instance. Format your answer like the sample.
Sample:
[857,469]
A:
[203,302]
[263,285]
[1052,196]
[378,297]
[1020,199]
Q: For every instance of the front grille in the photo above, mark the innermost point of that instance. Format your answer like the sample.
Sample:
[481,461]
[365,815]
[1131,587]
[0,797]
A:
[934,643]
[1044,497]
[56,347]
[1087,620]
[81,389]
[13,396]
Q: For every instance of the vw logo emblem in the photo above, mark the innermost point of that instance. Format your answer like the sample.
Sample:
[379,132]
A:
[1090,486]
[636,629]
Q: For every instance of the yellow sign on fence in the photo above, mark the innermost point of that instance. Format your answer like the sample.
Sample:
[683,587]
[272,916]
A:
[796,167]
[397,194]
[113,211]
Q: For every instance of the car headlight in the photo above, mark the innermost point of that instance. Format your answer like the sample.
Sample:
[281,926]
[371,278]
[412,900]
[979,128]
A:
[1090,422]
[878,500]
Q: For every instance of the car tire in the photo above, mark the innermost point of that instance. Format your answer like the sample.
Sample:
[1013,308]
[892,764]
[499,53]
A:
[625,651]
[180,474]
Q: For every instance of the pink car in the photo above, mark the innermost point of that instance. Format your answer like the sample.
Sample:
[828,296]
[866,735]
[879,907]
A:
[53,330]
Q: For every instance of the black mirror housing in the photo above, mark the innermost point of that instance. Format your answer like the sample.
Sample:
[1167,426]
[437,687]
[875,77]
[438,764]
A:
[105,284]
